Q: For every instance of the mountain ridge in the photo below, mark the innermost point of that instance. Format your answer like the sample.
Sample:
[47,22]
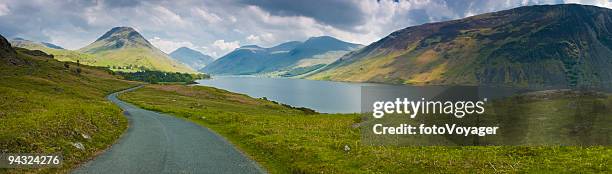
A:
[544,45]
[24,43]
[58,52]
[253,59]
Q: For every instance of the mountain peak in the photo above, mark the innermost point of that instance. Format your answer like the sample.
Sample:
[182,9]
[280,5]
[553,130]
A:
[324,39]
[316,38]
[117,31]
[123,29]
[191,57]
[328,42]
[183,49]
[124,46]
[116,38]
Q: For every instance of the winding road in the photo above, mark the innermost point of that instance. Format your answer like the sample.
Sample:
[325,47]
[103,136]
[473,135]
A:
[159,143]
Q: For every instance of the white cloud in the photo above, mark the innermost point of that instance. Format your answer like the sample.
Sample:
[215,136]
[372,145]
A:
[233,19]
[4,10]
[253,38]
[226,46]
[206,16]
[167,45]
[206,50]
[165,17]
[285,28]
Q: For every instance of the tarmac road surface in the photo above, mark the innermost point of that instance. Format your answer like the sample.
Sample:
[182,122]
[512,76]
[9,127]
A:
[159,143]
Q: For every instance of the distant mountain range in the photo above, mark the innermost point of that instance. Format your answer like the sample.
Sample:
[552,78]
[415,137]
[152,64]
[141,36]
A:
[548,45]
[290,57]
[191,58]
[20,42]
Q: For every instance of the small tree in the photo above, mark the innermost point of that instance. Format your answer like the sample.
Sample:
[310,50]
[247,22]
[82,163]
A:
[66,65]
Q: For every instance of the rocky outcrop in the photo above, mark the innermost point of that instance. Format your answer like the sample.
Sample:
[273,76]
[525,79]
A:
[7,53]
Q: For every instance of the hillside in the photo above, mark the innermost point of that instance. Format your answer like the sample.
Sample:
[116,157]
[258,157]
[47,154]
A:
[50,107]
[252,59]
[124,49]
[532,46]
[21,42]
[58,52]
[192,58]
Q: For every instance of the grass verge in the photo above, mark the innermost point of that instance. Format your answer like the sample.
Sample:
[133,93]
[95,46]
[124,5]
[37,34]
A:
[287,140]
[48,107]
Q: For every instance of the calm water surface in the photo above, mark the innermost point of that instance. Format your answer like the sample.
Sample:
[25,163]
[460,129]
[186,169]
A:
[328,96]
[322,96]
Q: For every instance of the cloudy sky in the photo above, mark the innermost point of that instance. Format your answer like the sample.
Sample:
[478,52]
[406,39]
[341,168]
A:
[217,27]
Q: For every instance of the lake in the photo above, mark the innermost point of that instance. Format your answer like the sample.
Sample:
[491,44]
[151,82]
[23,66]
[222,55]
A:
[334,97]
[322,96]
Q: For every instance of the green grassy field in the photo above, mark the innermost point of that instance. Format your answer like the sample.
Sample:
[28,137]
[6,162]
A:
[47,107]
[286,140]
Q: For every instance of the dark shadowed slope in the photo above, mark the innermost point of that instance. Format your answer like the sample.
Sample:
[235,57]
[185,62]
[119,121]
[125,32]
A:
[549,45]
